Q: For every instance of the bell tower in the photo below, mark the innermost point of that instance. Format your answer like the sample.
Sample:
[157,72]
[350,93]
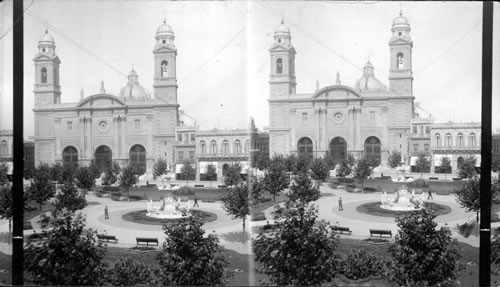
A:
[165,53]
[282,78]
[47,89]
[400,45]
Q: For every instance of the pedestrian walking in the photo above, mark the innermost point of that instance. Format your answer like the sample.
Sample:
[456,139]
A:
[430,195]
[195,202]
[340,204]
[106,214]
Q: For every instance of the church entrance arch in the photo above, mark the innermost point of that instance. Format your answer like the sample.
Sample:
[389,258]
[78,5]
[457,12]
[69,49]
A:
[373,148]
[338,149]
[137,156]
[103,157]
[305,147]
[70,156]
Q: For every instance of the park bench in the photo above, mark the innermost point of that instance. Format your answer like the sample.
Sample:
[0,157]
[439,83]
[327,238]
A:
[199,185]
[146,241]
[269,227]
[107,238]
[208,200]
[433,178]
[37,236]
[222,186]
[380,232]
[456,179]
[341,229]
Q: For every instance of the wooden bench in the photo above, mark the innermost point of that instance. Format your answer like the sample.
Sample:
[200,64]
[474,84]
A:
[37,236]
[341,229]
[222,186]
[269,227]
[146,241]
[380,232]
[199,185]
[107,238]
[433,178]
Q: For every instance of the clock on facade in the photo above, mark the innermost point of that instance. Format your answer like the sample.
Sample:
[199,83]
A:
[338,117]
[102,126]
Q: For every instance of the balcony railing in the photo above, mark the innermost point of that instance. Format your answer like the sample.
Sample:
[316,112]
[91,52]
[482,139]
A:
[222,155]
[456,148]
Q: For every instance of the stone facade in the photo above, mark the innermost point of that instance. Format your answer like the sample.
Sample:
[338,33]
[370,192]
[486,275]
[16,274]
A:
[368,118]
[132,127]
[6,145]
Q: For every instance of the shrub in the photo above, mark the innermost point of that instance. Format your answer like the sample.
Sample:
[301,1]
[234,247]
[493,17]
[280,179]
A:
[257,216]
[128,272]
[418,183]
[183,191]
[359,264]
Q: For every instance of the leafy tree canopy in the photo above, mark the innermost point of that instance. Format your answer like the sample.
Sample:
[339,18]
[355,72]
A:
[69,198]
[319,169]
[302,189]
[84,177]
[41,187]
[468,168]
[129,272]
[394,159]
[160,167]
[233,175]
[276,178]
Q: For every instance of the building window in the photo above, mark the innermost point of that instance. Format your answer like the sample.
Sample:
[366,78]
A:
[426,148]
[304,117]
[179,137]
[237,146]
[247,146]
[192,137]
[415,129]
[164,68]
[372,115]
[137,157]
[427,130]
[225,147]
[438,140]
[305,147]
[415,148]
[448,139]
[460,139]
[472,139]
[69,126]
[400,61]
[191,154]
[181,155]
[137,124]
[213,147]
[203,147]
[279,66]
[4,148]
[44,75]
[70,156]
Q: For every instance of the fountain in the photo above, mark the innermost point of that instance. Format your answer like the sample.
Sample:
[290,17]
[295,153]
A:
[168,208]
[402,201]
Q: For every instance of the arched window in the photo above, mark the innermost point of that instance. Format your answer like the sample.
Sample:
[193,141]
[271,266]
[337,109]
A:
[460,139]
[137,156]
[203,147]
[44,75]
[70,156]
[247,146]
[305,147]
[103,157]
[448,139]
[438,140]
[472,139]
[399,61]
[279,66]
[237,146]
[213,147]
[4,148]
[373,148]
[225,146]
[338,149]
[164,68]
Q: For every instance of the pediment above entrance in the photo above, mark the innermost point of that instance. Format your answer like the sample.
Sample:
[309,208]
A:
[100,101]
[336,92]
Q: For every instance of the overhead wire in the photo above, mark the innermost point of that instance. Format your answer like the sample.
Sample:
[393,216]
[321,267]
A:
[17,20]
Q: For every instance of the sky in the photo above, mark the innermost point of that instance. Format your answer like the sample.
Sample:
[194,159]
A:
[223,61]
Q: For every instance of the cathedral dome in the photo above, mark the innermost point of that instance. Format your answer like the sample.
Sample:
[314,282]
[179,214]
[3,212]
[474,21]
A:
[46,38]
[368,82]
[133,90]
[164,29]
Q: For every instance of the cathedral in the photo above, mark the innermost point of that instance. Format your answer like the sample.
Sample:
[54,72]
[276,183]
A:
[367,119]
[132,127]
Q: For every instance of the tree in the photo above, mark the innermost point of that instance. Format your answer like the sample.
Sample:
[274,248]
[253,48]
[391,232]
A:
[188,171]
[343,168]
[67,173]
[362,171]
[69,198]
[394,160]
[69,255]
[94,169]
[239,199]
[56,172]
[290,162]
[160,167]
[299,252]
[84,177]
[6,204]
[3,173]
[211,172]
[495,164]
[29,169]
[423,255]
[446,165]
[329,161]
[129,272]
[302,189]
[41,187]
[423,163]
[189,258]
[303,164]
[233,175]
[128,178]
[260,160]
[468,168]
[468,195]
[319,169]
[275,178]
[109,176]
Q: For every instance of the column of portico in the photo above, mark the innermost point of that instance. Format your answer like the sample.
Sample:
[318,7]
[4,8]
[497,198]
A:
[81,151]
[123,152]
[116,119]
[57,133]
[351,117]
[90,146]
[358,129]
[325,128]
[293,139]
